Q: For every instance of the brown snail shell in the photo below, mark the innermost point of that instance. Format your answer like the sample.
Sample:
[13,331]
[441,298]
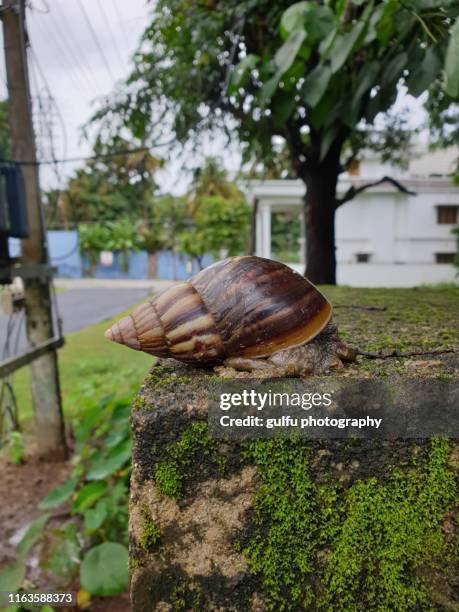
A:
[242,306]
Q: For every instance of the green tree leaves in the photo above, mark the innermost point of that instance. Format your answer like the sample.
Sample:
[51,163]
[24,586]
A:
[452,63]
[217,225]
[242,71]
[426,72]
[316,84]
[315,19]
[293,18]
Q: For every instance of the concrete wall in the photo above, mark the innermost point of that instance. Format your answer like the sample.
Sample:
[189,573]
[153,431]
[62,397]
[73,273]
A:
[65,255]
[394,228]
[64,252]
[391,275]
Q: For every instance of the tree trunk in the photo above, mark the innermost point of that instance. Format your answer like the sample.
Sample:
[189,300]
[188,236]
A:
[321,178]
[151,266]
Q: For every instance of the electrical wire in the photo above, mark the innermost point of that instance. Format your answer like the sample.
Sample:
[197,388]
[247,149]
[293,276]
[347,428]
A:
[46,121]
[118,14]
[60,47]
[58,110]
[71,252]
[89,84]
[96,40]
[79,51]
[90,157]
[110,31]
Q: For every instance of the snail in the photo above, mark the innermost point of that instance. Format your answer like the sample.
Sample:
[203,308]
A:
[246,314]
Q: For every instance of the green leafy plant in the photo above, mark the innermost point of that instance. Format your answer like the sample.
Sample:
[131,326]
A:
[93,542]
[13,447]
[12,576]
[104,569]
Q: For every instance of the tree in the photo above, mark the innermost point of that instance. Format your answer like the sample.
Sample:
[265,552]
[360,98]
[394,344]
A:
[218,227]
[93,239]
[312,73]
[121,236]
[166,218]
[443,121]
[107,188]
[211,180]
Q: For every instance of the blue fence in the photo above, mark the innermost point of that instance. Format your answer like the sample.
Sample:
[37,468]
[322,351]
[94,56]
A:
[65,255]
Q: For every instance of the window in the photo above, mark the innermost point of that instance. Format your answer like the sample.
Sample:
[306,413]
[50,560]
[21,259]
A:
[447,214]
[444,258]
[362,257]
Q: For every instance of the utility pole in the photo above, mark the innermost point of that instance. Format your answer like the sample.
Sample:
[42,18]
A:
[49,424]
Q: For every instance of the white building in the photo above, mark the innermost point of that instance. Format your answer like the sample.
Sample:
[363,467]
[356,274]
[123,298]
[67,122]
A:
[384,237]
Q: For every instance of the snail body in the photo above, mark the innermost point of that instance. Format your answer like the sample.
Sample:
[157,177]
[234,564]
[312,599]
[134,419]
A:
[243,308]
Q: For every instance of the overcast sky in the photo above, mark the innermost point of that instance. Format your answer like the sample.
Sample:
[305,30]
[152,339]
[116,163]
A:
[80,63]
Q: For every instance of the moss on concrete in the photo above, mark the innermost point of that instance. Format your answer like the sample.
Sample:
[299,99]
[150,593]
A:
[150,532]
[422,318]
[183,457]
[329,548]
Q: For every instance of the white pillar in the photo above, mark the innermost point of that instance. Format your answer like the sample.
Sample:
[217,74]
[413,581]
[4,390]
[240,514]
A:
[266,230]
[259,233]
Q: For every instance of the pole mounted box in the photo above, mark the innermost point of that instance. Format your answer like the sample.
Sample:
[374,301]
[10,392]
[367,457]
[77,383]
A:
[13,211]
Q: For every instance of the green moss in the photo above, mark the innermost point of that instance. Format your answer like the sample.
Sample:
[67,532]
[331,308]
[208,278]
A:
[134,562]
[193,446]
[187,597]
[138,403]
[319,547]
[150,531]
[159,378]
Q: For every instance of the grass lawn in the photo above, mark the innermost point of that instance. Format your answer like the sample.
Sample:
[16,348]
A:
[89,364]
[410,319]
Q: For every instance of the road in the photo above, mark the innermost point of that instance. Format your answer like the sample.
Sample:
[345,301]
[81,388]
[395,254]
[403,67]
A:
[80,306]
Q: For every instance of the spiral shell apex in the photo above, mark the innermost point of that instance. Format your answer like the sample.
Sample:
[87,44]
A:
[242,306]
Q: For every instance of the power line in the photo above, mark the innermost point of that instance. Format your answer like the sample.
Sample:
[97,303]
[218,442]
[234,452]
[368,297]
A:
[76,61]
[109,28]
[60,51]
[96,40]
[79,52]
[58,110]
[118,14]
[90,157]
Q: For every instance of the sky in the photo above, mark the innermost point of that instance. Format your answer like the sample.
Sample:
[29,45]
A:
[79,63]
